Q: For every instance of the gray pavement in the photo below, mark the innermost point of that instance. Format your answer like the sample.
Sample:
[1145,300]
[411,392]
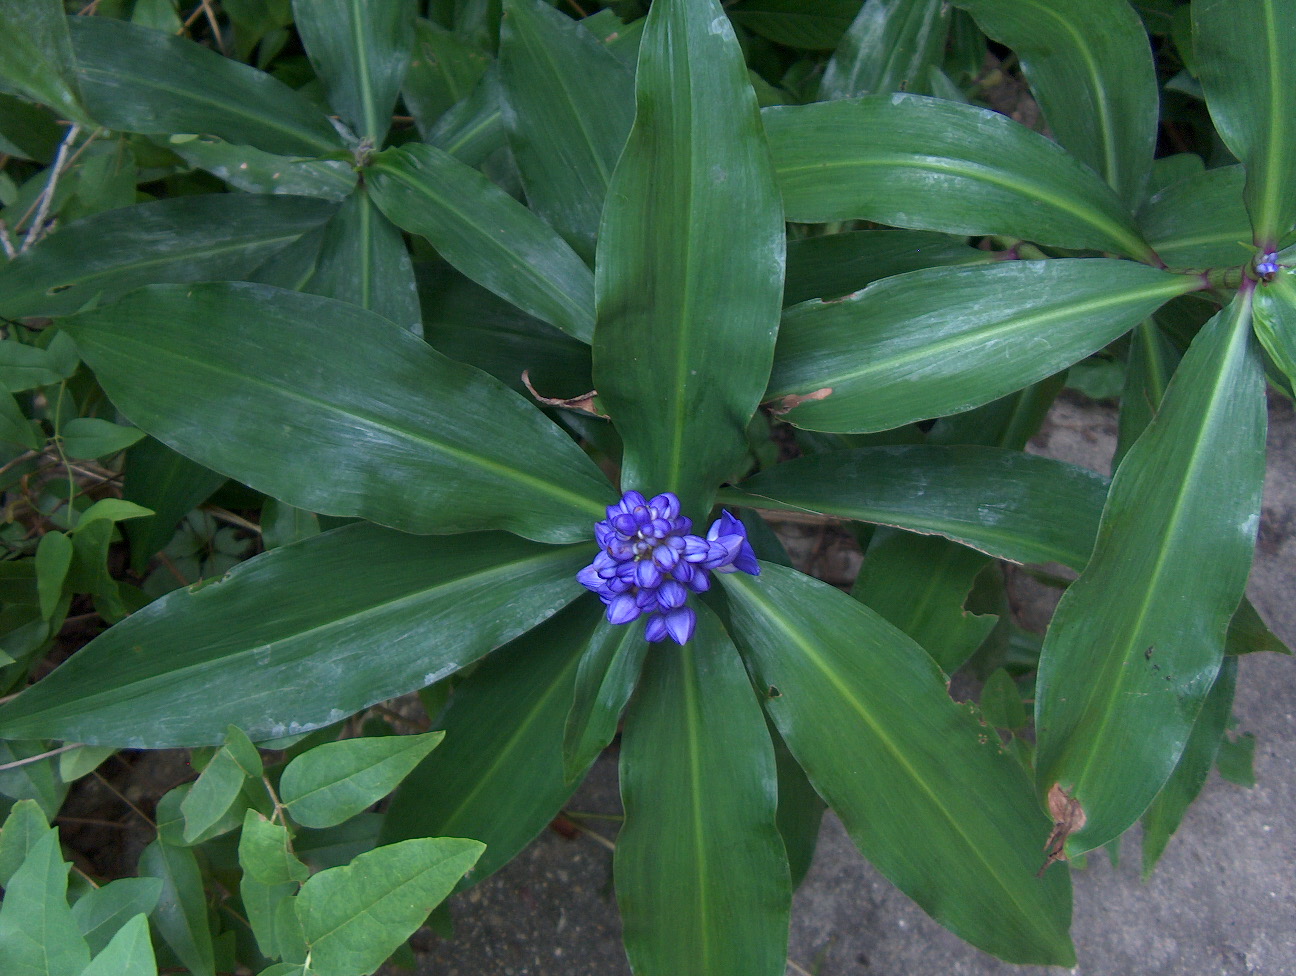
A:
[1221,903]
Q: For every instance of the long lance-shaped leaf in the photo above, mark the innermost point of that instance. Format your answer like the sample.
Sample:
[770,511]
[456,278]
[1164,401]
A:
[568,105]
[930,164]
[486,234]
[135,79]
[609,670]
[401,436]
[1090,68]
[690,260]
[1016,506]
[943,340]
[36,55]
[1137,640]
[923,788]
[1199,221]
[360,49]
[1275,321]
[296,638]
[499,775]
[890,46]
[363,260]
[701,876]
[1243,50]
[192,238]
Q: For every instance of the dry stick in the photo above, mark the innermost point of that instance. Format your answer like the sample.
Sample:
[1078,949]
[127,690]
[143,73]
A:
[121,796]
[594,834]
[44,755]
[216,31]
[47,195]
[800,970]
[5,243]
[92,821]
[225,515]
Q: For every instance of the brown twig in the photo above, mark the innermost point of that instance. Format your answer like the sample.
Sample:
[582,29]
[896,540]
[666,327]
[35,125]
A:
[121,796]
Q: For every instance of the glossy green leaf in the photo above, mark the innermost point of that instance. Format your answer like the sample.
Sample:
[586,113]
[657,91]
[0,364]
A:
[692,226]
[473,129]
[918,584]
[16,427]
[1199,221]
[499,776]
[24,367]
[444,68]
[567,108]
[817,26]
[360,50]
[293,639]
[219,784]
[1248,633]
[355,916]
[834,265]
[1001,702]
[188,238]
[53,559]
[282,524]
[931,164]
[101,913]
[443,449]
[262,903]
[486,234]
[1162,817]
[1151,362]
[23,827]
[922,787]
[609,670]
[1137,640]
[1090,69]
[890,46]
[265,852]
[168,483]
[800,808]
[363,261]
[335,781]
[93,437]
[256,171]
[1014,506]
[30,780]
[36,55]
[1236,760]
[74,764]
[1275,321]
[700,871]
[1243,52]
[37,934]
[134,79]
[181,913]
[940,341]
[28,131]
[130,953]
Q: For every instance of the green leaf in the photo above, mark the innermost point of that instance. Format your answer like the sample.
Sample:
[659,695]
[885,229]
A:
[1236,760]
[355,916]
[1137,640]
[360,50]
[91,437]
[28,131]
[32,780]
[1151,362]
[943,340]
[1199,221]
[293,639]
[112,510]
[931,164]
[890,46]
[1248,633]
[609,670]
[692,226]
[129,954]
[1275,321]
[335,781]
[701,875]
[472,130]
[258,172]
[36,55]
[800,809]
[23,827]
[188,238]
[265,852]
[923,788]
[181,912]
[1162,817]
[282,524]
[219,784]
[15,427]
[1001,702]
[24,367]
[37,934]
[363,261]
[444,69]
[53,559]
[834,265]
[263,904]
[485,233]
[138,80]
[499,776]
[101,912]
[1014,506]
[170,484]
[567,108]
[1243,54]
[472,455]
[918,584]
[1090,69]
[818,26]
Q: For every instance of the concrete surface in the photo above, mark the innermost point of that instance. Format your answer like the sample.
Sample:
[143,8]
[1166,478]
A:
[1221,903]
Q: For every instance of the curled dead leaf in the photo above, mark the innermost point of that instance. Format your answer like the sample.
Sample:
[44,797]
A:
[583,403]
[793,400]
[1068,817]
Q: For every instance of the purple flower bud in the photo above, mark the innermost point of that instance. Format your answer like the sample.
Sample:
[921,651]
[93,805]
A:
[725,530]
[655,629]
[671,595]
[666,504]
[1268,264]
[647,574]
[623,609]
[680,624]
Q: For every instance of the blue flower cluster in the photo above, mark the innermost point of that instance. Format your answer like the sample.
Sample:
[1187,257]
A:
[648,563]
[1268,265]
